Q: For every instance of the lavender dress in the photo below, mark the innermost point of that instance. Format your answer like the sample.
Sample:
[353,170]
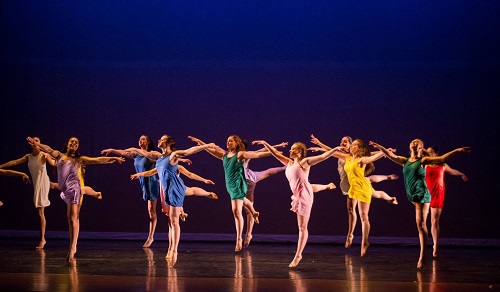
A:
[68,180]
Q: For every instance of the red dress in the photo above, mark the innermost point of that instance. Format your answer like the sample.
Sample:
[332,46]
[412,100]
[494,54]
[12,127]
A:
[434,177]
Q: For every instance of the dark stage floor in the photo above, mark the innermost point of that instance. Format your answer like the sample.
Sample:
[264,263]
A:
[123,265]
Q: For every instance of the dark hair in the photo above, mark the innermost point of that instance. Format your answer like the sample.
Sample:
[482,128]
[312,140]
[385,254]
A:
[244,142]
[171,142]
[77,152]
[435,149]
[151,146]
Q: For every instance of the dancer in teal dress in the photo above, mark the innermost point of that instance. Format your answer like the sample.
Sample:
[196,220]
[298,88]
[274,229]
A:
[416,188]
[173,187]
[236,184]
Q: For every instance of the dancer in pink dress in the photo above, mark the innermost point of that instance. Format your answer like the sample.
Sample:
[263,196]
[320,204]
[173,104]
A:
[297,173]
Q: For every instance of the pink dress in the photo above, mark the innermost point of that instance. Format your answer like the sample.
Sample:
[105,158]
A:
[303,196]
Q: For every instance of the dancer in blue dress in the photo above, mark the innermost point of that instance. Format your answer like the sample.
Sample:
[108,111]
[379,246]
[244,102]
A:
[174,189]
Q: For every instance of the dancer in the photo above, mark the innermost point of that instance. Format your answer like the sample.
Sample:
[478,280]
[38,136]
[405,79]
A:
[297,173]
[174,189]
[416,188]
[68,163]
[149,185]
[434,177]
[236,183]
[37,165]
[345,145]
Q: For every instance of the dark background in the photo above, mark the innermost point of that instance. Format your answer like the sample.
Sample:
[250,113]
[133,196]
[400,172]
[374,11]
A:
[110,71]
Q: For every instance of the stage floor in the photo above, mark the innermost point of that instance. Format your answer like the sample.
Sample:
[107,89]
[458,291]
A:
[123,265]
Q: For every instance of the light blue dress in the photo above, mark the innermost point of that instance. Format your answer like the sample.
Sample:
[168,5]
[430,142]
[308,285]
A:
[149,185]
[173,186]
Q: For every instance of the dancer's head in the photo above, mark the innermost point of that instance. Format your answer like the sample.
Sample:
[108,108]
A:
[298,150]
[146,143]
[72,147]
[346,142]
[166,142]
[234,143]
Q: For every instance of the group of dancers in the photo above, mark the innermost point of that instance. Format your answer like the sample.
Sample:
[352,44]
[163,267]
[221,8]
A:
[159,175]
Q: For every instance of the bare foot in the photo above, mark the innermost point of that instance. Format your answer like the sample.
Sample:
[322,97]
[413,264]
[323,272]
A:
[238,246]
[172,260]
[420,263]
[41,244]
[348,241]
[71,255]
[295,262]
[435,251]
[364,248]
[169,255]
[248,238]
[183,216]
[393,201]
[98,195]
[148,242]
[256,217]
[212,196]
[392,177]
[331,186]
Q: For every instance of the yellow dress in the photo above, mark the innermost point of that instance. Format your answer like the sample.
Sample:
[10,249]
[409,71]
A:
[82,184]
[360,188]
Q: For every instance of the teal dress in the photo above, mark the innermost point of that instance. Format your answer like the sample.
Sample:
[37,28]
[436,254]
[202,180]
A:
[236,183]
[414,176]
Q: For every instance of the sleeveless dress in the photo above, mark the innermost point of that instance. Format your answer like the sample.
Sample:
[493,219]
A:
[360,188]
[149,185]
[252,178]
[174,189]
[69,181]
[236,183]
[414,177]
[434,177]
[303,196]
[40,180]
[344,182]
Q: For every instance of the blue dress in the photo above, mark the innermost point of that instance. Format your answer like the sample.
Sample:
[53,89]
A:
[149,185]
[173,186]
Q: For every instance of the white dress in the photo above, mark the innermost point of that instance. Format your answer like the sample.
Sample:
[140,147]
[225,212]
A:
[40,180]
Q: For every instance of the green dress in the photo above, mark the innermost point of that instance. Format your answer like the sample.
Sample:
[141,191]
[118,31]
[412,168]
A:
[414,176]
[236,183]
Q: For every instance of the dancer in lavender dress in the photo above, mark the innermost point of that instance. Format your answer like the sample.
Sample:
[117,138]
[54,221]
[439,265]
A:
[68,163]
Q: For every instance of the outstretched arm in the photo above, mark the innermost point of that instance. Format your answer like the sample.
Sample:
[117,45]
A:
[453,171]
[217,152]
[101,160]
[152,155]
[318,158]
[176,155]
[389,154]
[8,172]
[316,141]
[194,176]
[144,173]
[15,161]
[443,158]
[119,152]
[278,155]
[45,148]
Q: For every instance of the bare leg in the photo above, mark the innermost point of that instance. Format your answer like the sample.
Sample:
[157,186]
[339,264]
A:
[176,233]
[237,206]
[351,212]
[270,171]
[302,222]
[384,196]
[250,222]
[421,212]
[152,222]
[43,224]
[435,215]
[73,211]
[1,203]
[249,206]
[195,191]
[378,178]
[318,188]
[86,190]
[364,209]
